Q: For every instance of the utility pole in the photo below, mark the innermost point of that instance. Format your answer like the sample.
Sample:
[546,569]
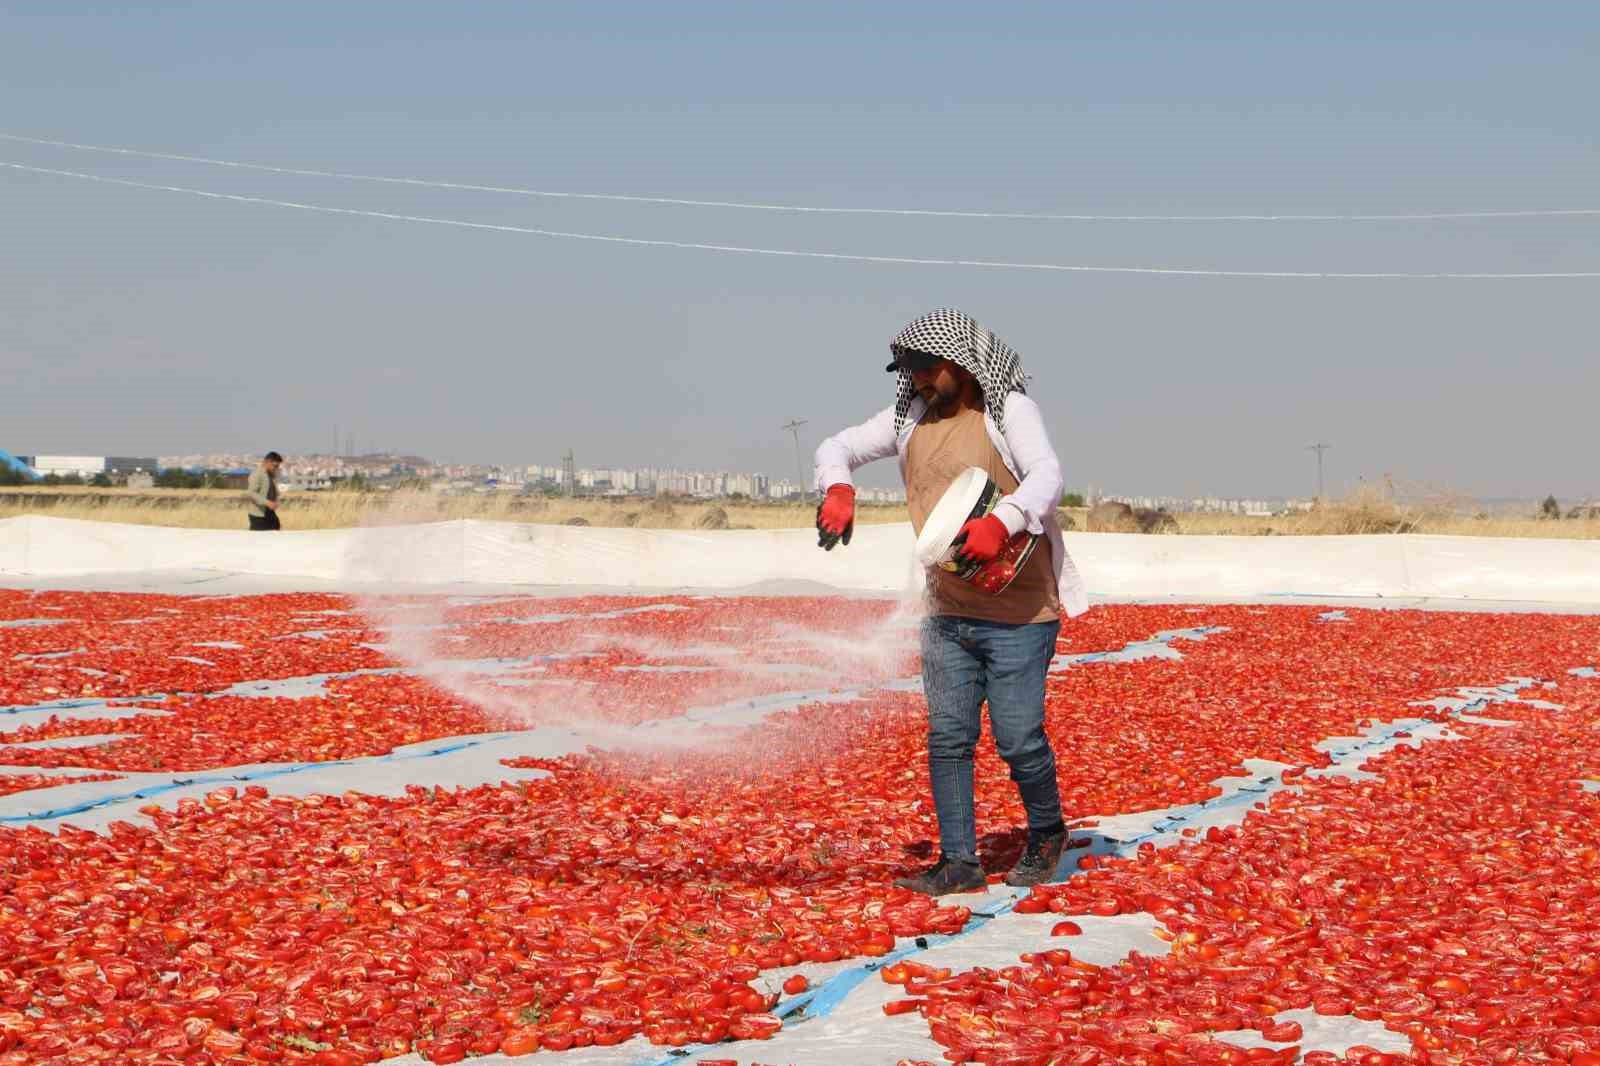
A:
[1319,448]
[793,426]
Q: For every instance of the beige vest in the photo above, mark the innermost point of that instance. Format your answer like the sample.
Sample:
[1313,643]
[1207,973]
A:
[939,450]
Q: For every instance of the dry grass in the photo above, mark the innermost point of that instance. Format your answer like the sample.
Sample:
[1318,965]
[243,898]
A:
[222,509]
[1374,511]
[1314,524]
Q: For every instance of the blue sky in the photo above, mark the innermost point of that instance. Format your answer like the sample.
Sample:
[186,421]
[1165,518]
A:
[134,321]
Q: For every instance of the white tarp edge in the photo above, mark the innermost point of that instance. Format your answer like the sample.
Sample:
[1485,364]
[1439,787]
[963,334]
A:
[878,559]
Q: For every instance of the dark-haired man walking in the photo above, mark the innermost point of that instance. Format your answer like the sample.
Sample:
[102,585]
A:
[960,403]
[262,491]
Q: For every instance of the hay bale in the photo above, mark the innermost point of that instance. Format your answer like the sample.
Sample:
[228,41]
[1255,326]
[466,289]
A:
[1066,521]
[661,507]
[630,520]
[1112,516]
[1155,521]
[714,518]
[576,520]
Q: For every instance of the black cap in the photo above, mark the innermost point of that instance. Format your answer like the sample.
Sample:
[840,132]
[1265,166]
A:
[910,355]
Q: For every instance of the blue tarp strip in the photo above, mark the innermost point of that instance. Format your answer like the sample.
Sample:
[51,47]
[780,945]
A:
[826,997]
[203,778]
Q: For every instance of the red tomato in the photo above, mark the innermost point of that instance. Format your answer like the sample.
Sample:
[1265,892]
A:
[1283,1032]
[448,1050]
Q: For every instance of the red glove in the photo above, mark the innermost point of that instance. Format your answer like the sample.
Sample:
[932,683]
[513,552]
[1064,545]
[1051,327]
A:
[984,538]
[836,516]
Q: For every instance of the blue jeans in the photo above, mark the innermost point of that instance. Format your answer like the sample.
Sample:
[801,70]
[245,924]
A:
[964,662]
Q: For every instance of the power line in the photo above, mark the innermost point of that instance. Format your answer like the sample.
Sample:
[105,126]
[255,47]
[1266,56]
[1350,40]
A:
[795,253]
[1428,216]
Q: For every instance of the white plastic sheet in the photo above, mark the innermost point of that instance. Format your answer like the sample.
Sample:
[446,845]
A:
[878,559]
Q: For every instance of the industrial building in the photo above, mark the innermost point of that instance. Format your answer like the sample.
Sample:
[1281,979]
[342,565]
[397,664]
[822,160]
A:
[87,466]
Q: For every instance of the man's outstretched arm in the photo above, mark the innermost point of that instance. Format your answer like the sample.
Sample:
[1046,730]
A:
[836,459]
[841,454]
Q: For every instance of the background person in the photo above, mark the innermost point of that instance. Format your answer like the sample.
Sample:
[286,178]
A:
[960,403]
[262,491]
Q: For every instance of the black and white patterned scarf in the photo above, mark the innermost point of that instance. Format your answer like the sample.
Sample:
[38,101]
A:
[950,334]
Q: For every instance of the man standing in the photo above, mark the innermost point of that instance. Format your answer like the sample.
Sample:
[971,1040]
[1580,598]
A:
[961,403]
[262,491]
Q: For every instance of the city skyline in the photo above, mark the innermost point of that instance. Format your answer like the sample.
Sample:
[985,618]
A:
[883,476]
[317,471]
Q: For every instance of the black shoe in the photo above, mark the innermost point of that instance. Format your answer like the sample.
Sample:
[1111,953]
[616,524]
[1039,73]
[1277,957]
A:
[946,876]
[1038,863]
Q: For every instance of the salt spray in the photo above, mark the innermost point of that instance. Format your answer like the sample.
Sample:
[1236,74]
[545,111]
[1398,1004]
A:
[391,547]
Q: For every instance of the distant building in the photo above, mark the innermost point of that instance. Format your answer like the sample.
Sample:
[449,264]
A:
[87,466]
[125,465]
[84,466]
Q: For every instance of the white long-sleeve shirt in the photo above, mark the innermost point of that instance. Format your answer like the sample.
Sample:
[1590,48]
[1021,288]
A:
[1025,449]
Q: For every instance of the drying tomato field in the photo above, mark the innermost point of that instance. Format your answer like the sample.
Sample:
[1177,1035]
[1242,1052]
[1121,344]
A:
[297,828]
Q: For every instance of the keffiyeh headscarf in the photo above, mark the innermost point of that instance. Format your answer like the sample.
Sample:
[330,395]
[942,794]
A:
[950,334]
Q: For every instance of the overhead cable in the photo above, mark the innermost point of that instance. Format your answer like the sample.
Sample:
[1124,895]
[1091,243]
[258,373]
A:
[787,252]
[1430,216]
